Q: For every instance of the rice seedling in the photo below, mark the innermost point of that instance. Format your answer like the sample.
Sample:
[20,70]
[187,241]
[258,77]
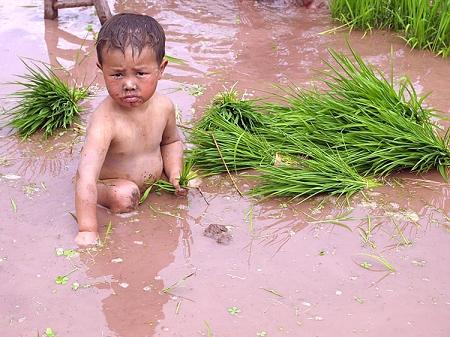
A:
[209,332]
[425,24]
[45,102]
[228,147]
[227,106]
[187,174]
[324,172]
[107,234]
[169,289]
[381,260]
[308,142]
[376,129]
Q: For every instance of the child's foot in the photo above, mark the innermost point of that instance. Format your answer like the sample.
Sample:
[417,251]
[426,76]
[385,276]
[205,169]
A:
[84,239]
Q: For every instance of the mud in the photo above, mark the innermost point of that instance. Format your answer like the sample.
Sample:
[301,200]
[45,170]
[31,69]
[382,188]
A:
[291,269]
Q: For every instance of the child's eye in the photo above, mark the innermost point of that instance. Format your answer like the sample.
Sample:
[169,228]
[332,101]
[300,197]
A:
[118,75]
[140,73]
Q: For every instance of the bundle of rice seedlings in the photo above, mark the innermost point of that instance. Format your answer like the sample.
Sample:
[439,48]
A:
[229,147]
[187,174]
[361,125]
[377,129]
[230,108]
[324,172]
[45,103]
[424,23]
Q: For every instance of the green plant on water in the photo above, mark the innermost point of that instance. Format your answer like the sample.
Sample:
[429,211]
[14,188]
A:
[63,279]
[209,332]
[233,311]
[45,101]
[304,142]
[324,172]
[424,24]
[227,106]
[186,175]
[49,332]
[380,259]
[376,128]
[228,146]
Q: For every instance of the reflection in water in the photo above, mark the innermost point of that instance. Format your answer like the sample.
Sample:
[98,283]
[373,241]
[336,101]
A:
[137,250]
[38,157]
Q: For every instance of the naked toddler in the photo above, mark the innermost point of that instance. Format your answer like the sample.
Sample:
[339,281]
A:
[132,136]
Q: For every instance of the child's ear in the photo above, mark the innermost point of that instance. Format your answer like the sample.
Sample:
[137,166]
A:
[162,66]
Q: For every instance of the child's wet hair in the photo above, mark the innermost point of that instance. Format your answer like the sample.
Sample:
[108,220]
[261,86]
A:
[134,30]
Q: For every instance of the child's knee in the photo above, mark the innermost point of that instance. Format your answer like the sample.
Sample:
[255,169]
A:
[125,198]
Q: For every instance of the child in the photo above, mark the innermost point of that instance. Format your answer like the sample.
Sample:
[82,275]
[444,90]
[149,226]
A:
[132,136]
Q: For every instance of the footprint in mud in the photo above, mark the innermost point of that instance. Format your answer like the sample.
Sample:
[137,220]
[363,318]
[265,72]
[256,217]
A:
[220,233]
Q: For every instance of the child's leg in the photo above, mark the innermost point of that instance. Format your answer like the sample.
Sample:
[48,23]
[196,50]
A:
[119,195]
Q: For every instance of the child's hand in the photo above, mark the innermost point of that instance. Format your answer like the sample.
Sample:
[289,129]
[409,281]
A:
[179,191]
[84,239]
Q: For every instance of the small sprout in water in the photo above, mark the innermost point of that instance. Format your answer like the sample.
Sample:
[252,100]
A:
[194,89]
[61,279]
[70,253]
[234,310]
[49,332]
[89,28]
[322,252]
[366,265]
[66,252]
[261,334]
[75,286]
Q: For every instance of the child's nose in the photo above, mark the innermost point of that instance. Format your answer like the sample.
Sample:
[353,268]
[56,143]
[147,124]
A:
[129,84]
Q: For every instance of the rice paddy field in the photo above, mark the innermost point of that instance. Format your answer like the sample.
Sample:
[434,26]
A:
[274,112]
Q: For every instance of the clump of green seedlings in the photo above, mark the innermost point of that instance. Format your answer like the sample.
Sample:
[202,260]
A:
[45,102]
[308,141]
[324,172]
[187,174]
[376,128]
[425,24]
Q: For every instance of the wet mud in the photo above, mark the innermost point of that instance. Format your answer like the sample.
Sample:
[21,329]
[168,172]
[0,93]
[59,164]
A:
[376,265]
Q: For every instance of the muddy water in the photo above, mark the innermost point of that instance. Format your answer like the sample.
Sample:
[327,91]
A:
[310,269]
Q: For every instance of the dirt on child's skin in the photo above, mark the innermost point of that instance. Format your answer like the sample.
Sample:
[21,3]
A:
[376,266]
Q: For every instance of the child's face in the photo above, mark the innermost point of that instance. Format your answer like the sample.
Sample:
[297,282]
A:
[131,79]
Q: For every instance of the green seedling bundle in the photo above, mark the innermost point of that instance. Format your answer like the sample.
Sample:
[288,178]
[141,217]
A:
[335,140]
[45,102]
[187,174]
[424,24]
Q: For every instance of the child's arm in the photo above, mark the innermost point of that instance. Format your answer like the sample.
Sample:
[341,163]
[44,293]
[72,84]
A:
[172,152]
[93,154]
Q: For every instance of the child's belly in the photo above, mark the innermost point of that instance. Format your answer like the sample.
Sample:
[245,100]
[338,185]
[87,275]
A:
[141,169]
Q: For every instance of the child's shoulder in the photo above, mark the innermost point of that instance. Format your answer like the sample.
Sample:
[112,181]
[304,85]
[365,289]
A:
[164,103]
[102,114]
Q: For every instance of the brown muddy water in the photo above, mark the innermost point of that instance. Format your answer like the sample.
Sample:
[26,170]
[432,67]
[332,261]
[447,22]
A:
[310,269]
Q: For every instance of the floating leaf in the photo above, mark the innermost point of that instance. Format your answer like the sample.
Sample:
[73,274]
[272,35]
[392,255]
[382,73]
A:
[233,311]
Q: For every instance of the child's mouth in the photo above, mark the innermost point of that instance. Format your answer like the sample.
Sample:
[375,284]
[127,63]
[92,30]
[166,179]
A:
[131,99]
